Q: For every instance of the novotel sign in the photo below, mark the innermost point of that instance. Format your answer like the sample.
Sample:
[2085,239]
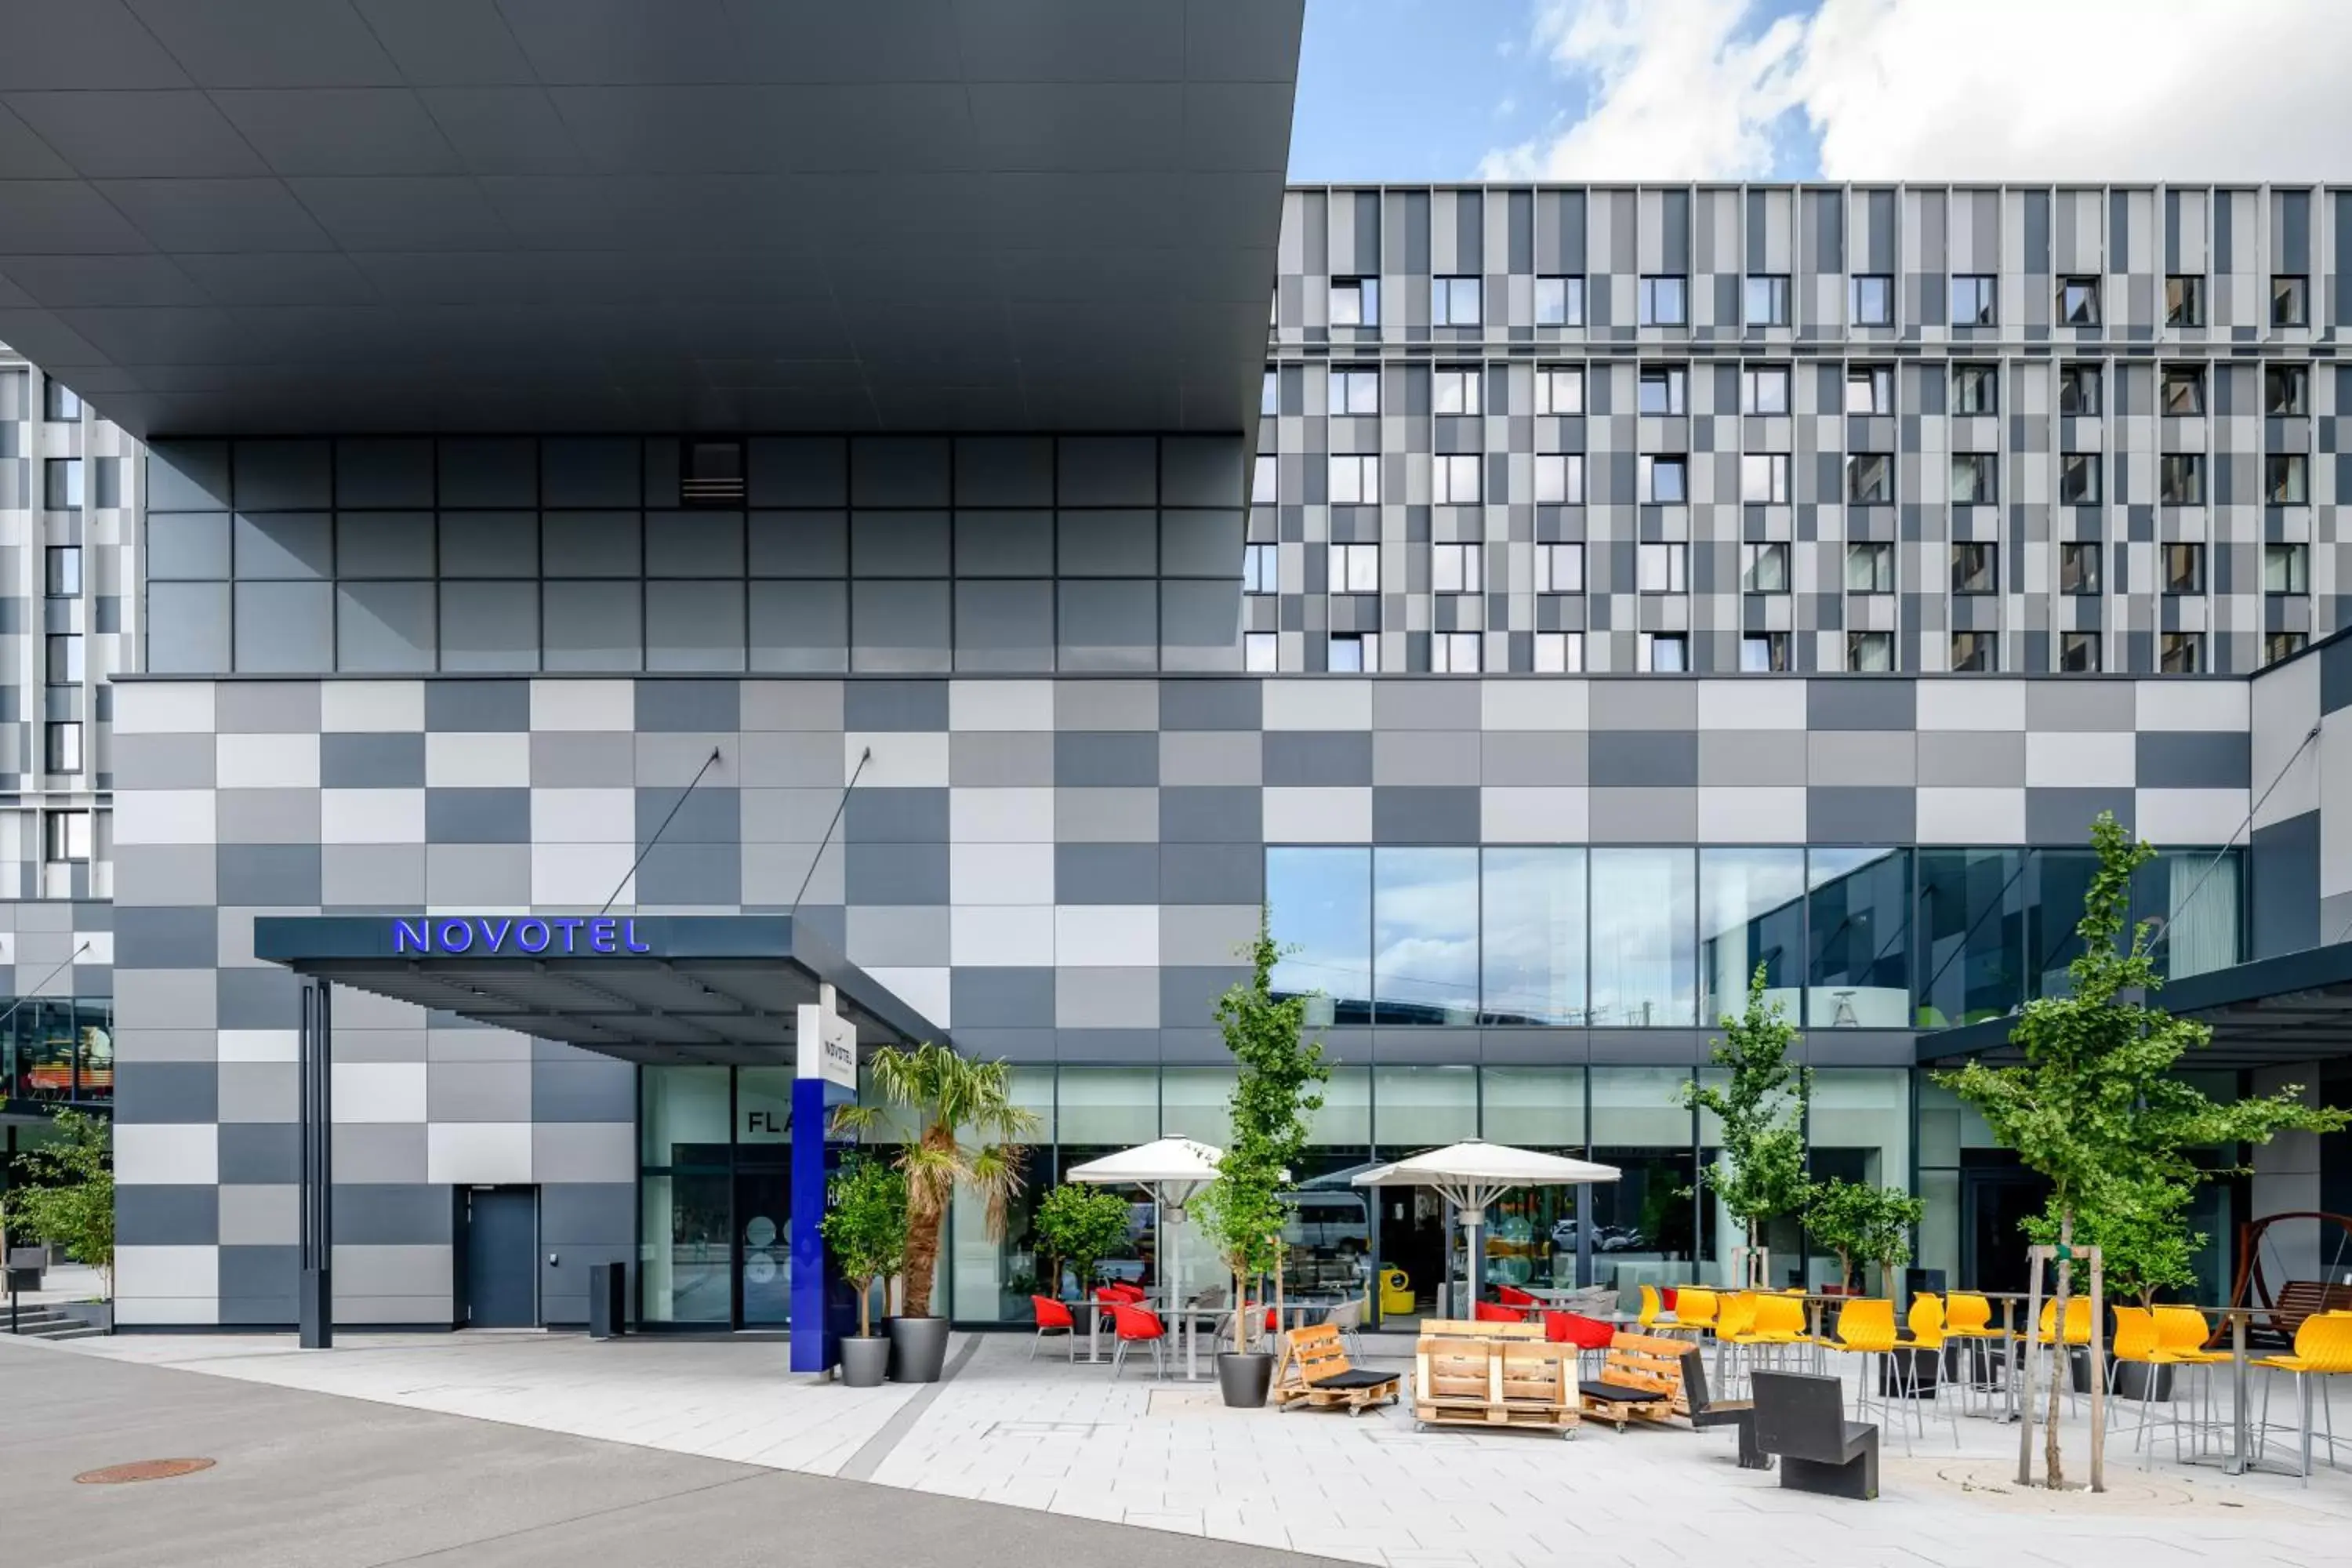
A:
[509,935]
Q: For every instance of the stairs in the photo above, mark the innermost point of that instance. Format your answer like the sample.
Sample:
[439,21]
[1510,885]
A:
[46,1323]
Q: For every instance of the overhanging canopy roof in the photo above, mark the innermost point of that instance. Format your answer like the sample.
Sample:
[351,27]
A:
[705,988]
[279,217]
[2295,1007]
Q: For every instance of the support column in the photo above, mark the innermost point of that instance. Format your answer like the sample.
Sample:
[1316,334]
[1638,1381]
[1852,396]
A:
[825,1076]
[316,1303]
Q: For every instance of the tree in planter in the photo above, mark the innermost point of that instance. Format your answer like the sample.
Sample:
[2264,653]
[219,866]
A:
[865,1222]
[68,1196]
[1863,1224]
[1081,1226]
[1761,1106]
[2095,1106]
[1895,1216]
[1275,1090]
[969,1134]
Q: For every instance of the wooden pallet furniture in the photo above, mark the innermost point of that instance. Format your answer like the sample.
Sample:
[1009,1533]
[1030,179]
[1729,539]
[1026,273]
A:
[1314,1371]
[1492,1375]
[1641,1380]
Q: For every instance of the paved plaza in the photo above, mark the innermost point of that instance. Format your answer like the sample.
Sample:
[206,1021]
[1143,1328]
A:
[1065,1440]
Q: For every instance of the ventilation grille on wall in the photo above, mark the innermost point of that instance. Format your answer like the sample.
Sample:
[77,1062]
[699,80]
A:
[711,473]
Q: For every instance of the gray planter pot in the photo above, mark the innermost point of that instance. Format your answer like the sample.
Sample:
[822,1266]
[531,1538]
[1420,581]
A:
[1244,1379]
[919,1349]
[2132,1381]
[863,1362]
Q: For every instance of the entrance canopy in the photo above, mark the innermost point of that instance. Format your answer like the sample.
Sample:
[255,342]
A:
[645,988]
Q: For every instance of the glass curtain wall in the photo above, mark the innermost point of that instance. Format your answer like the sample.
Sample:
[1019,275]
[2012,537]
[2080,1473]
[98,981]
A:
[1644,942]
[1857,1128]
[1751,915]
[1532,936]
[1646,1224]
[1533,1229]
[1858,939]
[685,1262]
[57,1049]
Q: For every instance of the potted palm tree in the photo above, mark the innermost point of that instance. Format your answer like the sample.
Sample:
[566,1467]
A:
[968,1134]
[866,1225]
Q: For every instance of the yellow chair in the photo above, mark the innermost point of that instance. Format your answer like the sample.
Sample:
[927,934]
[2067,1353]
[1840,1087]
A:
[1735,1315]
[2323,1347]
[1654,1307]
[1865,1328]
[1695,1309]
[2139,1342]
[2078,1332]
[1925,1320]
[2183,1338]
[1968,1320]
[1776,1322]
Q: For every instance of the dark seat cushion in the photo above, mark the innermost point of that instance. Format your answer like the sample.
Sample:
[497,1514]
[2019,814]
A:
[1354,1377]
[1619,1394]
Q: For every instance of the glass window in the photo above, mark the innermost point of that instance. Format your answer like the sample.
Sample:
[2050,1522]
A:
[1269,394]
[2078,390]
[1663,568]
[1857,1127]
[1533,936]
[1869,477]
[1355,391]
[1355,569]
[1533,1108]
[2078,478]
[1764,478]
[1767,300]
[1559,569]
[1265,477]
[1976,568]
[1320,901]
[2184,389]
[1975,389]
[1453,479]
[2180,653]
[1559,389]
[65,657]
[1197,1104]
[2078,301]
[1764,389]
[1559,301]
[1661,389]
[66,838]
[61,484]
[2078,566]
[1976,299]
[2287,302]
[59,401]
[1869,568]
[1874,299]
[62,574]
[1751,913]
[1355,302]
[2286,389]
[684,1255]
[1764,568]
[1870,389]
[1661,481]
[1105,1108]
[1664,653]
[1645,1223]
[2277,645]
[2284,479]
[1973,653]
[2184,301]
[1455,568]
[2287,569]
[1355,480]
[683,1118]
[2184,568]
[1353,653]
[1454,389]
[2191,898]
[61,747]
[1454,653]
[1663,302]
[1971,909]
[2181,479]
[1559,653]
[1870,652]
[1644,957]
[1259,652]
[1559,478]
[2078,653]
[2055,883]
[1858,938]
[1763,653]
[1424,936]
[1454,303]
[1972,478]
[1261,571]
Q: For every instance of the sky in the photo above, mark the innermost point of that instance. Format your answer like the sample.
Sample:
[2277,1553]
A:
[1410,90]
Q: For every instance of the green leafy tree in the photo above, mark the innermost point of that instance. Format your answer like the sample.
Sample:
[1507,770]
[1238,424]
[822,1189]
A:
[1762,1105]
[1863,1224]
[67,1198]
[2141,1230]
[865,1222]
[2095,1106]
[1081,1226]
[1277,1088]
[969,1135]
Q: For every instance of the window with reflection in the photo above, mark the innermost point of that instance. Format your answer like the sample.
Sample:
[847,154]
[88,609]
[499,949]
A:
[1971,934]
[1532,1239]
[1319,902]
[1532,936]
[1424,936]
[1858,939]
[1644,961]
[2056,883]
[2191,900]
[1645,1224]
[1751,913]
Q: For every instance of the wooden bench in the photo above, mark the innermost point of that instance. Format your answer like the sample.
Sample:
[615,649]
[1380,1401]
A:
[1707,1411]
[1641,1380]
[1802,1417]
[1493,1375]
[2301,1298]
[1314,1371]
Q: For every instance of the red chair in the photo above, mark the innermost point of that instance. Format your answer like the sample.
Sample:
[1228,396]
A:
[1512,1296]
[1119,1290]
[1487,1312]
[1054,1318]
[1139,1325]
[1575,1329]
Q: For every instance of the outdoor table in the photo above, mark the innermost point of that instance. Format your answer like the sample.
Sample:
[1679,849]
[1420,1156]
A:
[1187,1322]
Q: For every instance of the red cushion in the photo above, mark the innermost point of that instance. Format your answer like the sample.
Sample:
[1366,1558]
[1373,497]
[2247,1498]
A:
[1575,1329]
[1487,1312]
[1667,1295]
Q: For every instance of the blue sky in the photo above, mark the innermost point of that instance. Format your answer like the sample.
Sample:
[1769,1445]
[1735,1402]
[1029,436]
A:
[1422,90]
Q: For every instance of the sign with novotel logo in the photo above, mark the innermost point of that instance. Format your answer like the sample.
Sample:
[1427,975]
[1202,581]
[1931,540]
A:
[514,936]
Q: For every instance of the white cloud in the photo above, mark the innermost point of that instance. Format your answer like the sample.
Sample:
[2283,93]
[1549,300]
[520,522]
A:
[1927,89]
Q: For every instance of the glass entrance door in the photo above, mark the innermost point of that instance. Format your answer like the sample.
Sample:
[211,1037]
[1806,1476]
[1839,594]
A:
[764,1246]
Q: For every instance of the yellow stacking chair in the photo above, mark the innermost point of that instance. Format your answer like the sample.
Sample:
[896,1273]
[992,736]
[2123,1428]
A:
[1865,1328]
[2183,1337]
[1925,1320]
[2323,1348]
[1695,1309]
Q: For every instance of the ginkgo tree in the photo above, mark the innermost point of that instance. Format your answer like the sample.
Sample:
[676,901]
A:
[1762,1105]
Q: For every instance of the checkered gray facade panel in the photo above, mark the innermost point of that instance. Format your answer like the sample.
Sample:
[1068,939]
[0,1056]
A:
[1718,283]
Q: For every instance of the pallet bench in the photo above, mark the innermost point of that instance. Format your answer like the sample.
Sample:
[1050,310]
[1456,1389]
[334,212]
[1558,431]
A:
[1492,1375]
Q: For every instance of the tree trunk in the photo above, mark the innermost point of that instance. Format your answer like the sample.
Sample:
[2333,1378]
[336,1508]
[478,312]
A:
[2061,1371]
[864,1308]
[925,1213]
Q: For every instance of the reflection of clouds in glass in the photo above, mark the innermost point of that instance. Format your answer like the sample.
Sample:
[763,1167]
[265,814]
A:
[1641,937]
[1320,901]
[1425,927]
[1534,935]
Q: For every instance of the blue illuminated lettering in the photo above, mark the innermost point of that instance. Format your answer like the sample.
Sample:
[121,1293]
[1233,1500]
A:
[602,936]
[629,935]
[457,936]
[494,933]
[412,936]
[524,936]
[569,926]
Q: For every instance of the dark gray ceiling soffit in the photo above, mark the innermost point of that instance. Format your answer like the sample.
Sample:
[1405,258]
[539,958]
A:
[274,217]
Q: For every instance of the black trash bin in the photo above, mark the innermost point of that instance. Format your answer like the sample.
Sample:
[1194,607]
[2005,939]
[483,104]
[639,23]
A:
[608,1300]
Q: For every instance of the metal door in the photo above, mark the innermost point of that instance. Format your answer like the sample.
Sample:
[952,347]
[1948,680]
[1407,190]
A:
[503,1258]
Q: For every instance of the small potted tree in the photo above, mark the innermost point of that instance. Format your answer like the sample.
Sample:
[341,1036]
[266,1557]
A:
[1839,1216]
[1080,1225]
[865,1224]
[66,1202]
